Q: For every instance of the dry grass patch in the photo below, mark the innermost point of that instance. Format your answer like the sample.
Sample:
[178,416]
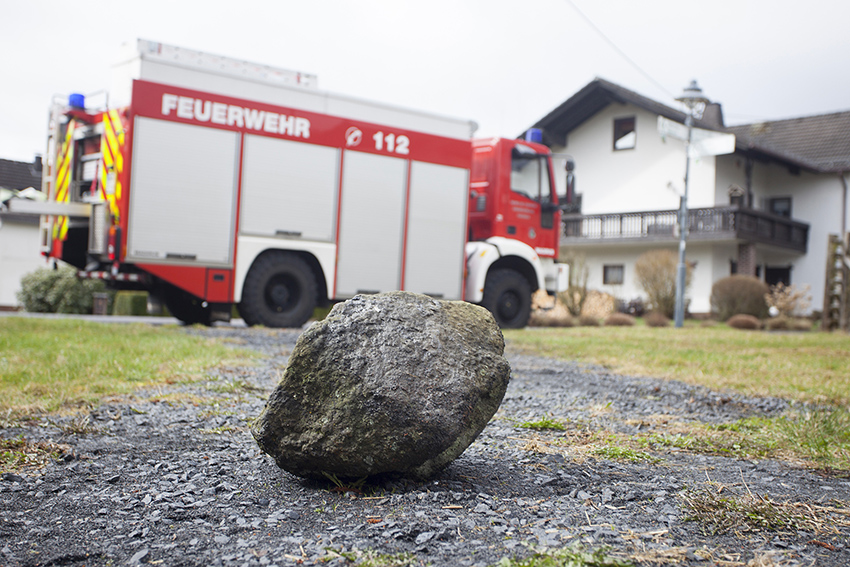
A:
[21,455]
[721,512]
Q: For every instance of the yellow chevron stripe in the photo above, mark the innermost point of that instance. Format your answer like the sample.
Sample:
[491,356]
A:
[118,126]
[66,154]
[63,179]
[111,149]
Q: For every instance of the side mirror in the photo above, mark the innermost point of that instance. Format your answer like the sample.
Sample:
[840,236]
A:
[567,200]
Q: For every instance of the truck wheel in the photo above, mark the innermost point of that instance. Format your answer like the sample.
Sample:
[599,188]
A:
[280,291]
[186,307]
[507,294]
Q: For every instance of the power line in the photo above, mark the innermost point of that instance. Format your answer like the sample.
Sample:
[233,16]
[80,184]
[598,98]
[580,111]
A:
[618,50]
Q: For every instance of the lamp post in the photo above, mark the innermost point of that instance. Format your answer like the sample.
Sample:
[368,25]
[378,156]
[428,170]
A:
[694,100]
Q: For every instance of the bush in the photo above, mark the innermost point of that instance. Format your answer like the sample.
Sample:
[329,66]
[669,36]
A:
[550,318]
[656,319]
[743,321]
[783,323]
[619,320]
[134,303]
[58,291]
[656,274]
[739,295]
[635,307]
[576,293]
[788,300]
[780,323]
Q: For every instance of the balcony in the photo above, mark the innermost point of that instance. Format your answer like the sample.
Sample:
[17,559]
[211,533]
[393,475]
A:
[715,223]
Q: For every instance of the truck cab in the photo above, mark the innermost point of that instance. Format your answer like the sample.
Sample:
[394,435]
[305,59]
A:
[513,231]
[512,194]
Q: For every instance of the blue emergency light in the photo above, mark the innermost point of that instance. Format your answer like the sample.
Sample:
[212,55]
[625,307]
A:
[77,100]
[534,135]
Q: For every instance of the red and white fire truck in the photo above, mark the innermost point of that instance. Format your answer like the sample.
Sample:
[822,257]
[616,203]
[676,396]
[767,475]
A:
[211,182]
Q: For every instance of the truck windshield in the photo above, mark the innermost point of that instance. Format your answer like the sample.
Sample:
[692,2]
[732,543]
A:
[529,174]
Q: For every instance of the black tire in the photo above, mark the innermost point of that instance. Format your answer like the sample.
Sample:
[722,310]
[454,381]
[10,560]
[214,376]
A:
[280,291]
[186,307]
[507,295]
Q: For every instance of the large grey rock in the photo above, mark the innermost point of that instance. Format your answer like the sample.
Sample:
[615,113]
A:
[396,383]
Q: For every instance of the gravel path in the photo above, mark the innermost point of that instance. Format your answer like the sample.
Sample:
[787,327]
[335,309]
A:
[173,477]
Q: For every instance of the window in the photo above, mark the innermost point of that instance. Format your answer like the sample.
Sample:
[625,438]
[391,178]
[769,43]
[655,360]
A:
[780,206]
[529,174]
[612,274]
[625,136]
[775,275]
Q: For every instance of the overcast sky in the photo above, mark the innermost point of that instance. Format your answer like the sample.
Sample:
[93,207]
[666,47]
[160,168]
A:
[503,64]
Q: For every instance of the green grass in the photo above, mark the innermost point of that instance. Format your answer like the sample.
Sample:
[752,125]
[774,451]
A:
[627,454]
[573,556]
[543,423]
[371,558]
[819,439]
[49,365]
[811,367]
[803,367]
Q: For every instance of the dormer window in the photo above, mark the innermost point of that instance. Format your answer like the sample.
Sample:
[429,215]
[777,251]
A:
[625,136]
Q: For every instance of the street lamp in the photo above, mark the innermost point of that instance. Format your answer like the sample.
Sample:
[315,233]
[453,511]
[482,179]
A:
[694,100]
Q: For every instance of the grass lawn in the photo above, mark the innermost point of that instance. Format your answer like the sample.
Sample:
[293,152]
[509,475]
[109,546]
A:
[802,367]
[49,365]
[809,366]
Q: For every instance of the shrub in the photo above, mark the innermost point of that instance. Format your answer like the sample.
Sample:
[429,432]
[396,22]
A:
[619,320]
[635,307]
[783,323]
[788,300]
[743,321]
[58,291]
[576,293]
[656,319]
[656,274]
[780,323]
[738,294]
[801,324]
[133,303]
[550,318]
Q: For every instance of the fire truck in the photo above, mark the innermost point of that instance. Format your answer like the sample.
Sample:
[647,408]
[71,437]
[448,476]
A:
[212,182]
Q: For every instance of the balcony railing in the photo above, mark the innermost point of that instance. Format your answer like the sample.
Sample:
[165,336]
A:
[716,223]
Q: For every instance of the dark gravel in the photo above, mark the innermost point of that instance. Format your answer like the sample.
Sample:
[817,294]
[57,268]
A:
[172,477]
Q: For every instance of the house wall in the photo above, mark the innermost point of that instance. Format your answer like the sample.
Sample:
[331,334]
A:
[20,254]
[708,263]
[815,199]
[635,179]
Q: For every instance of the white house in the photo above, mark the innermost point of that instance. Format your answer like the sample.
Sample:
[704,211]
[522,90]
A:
[765,210]
[20,252]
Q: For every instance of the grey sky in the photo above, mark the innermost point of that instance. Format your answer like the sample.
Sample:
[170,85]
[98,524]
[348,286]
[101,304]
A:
[501,63]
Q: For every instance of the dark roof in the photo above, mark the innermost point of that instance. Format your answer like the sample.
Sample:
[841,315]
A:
[595,96]
[820,142]
[20,174]
[815,143]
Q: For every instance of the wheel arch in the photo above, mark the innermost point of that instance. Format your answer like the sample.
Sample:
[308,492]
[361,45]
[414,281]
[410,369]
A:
[517,264]
[321,257]
[311,261]
[483,257]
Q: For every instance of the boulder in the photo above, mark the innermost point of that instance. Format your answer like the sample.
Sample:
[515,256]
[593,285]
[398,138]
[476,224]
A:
[389,384]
